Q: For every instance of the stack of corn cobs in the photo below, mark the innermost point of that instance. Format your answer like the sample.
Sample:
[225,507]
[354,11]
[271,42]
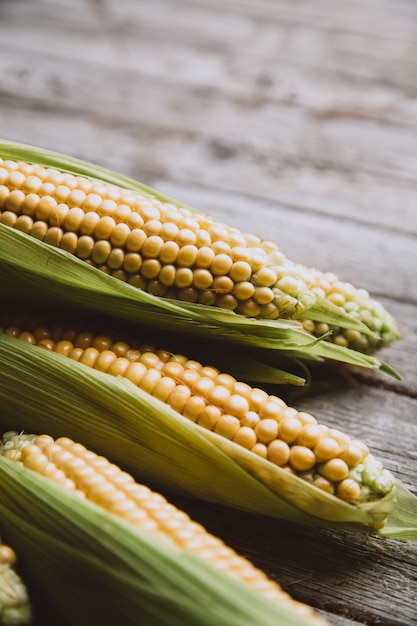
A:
[93,412]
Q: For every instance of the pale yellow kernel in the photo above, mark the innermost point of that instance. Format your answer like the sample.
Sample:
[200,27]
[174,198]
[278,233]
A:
[135,372]
[264,277]
[325,485]
[236,405]
[351,454]
[336,298]
[31,184]
[184,277]
[100,251]
[250,419]
[288,284]
[221,264]
[289,429]
[205,257]
[309,435]
[89,356]
[218,395]
[227,426]
[69,242]
[149,380]
[348,490]
[306,418]
[39,230]
[150,268]
[152,247]
[16,180]
[185,236]
[119,366]
[163,388]
[89,223]
[260,449]
[266,430]
[240,271]
[194,407]
[24,223]
[54,236]
[243,290]
[209,416]
[169,252]
[326,449]
[152,228]
[202,278]
[179,397]
[227,301]
[116,259]
[135,240]
[60,193]
[245,437]
[335,470]
[222,284]
[278,452]
[29,204]
[226,380]
[15,200]
[8,218]
[301,457]
[169,231]
[104,359]
[119,235]
[85,246]
[173,369]
[63,347]
[250,308]
[242,389]
[187,256]
[263,295]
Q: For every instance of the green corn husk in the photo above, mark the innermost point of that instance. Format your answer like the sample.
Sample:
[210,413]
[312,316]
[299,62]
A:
[32,273]
[118,573]
[217,324]
[161,448]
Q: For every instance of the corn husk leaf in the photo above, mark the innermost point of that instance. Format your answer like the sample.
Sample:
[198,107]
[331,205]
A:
[162,448]
[118,573]
[33,273]
[323,310]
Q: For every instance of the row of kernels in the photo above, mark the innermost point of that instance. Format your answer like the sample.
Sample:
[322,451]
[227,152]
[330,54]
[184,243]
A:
[249,417]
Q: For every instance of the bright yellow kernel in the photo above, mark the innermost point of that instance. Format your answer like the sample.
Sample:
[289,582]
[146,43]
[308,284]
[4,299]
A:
[326,449]
[221,264]
[348,490]
[266,430]
[89,223]
[205,257]
[69,242]
[301,458]
[245,437]
[289,429]
[209,416]
[278,452]
[236,405]
[227,426]
[150,268]
[335,470]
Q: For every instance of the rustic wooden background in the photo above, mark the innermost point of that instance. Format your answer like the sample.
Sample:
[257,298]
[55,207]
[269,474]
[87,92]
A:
[294,119]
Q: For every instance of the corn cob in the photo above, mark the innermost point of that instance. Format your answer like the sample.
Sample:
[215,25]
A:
[214,400]
[167,250]
[14,602]
[93,477]
[356,302]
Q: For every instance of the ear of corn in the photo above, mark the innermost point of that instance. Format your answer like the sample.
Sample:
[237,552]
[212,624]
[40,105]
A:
[160,246]
[15,609]
[125,572]
[31,273]
[154,440]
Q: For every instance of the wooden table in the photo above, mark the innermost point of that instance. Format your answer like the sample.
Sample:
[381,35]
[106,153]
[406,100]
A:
[294,120]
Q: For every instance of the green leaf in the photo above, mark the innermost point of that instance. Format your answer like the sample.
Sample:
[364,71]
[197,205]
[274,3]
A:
[98,570]
[32,272]
[158,445]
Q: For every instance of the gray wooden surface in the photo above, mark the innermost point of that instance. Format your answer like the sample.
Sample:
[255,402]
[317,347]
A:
[296,120]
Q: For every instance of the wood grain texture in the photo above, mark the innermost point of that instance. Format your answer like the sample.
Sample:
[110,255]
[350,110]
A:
[293,119]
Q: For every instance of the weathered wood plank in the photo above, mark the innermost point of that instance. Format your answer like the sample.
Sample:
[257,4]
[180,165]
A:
[297,120]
